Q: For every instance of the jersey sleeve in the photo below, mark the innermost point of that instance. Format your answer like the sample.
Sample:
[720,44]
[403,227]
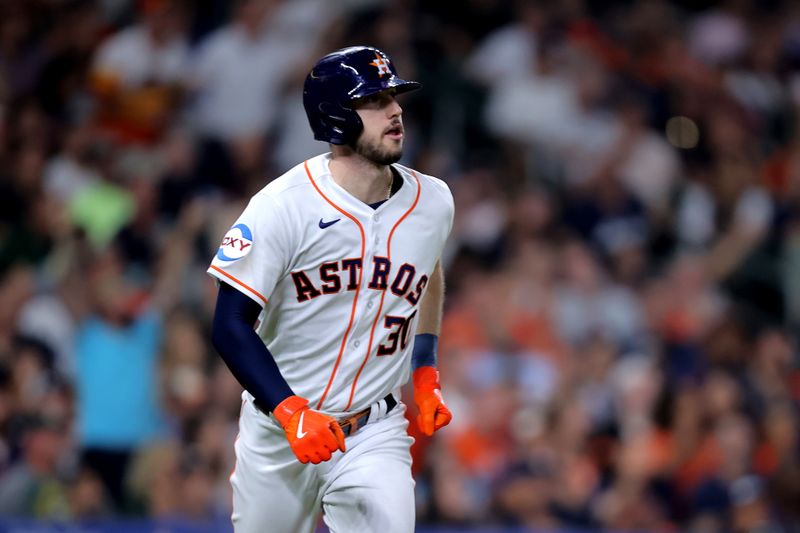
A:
[254,254]
[451,208]
[445,197]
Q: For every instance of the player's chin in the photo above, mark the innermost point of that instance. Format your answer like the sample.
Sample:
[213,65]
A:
[393,150]
[393,157]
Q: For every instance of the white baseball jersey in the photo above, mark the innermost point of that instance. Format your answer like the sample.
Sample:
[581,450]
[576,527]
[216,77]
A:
[340,282]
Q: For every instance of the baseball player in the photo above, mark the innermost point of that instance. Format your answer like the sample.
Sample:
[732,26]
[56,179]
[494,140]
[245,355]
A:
[330,297]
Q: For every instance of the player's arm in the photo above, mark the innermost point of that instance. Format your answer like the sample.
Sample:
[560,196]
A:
[433,413]
[313,436]
[430,307]
[247,357]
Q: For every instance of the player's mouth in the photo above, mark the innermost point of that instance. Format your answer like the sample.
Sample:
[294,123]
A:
[395,131]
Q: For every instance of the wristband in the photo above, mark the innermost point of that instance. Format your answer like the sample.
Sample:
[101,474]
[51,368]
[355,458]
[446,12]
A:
[424,354]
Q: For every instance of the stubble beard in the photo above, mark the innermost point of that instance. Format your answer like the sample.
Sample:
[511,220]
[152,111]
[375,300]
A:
[377,154]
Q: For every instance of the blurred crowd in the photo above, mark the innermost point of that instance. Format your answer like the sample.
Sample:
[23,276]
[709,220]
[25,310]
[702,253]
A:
[620,341]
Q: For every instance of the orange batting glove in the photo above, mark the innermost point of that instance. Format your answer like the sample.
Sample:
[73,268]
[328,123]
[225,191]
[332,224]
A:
[433,413]
[312,435]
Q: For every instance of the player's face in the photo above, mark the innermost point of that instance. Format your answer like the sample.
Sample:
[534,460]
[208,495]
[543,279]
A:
[381,140]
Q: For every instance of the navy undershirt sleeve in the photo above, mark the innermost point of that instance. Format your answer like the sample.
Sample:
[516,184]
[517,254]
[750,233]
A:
[248,359]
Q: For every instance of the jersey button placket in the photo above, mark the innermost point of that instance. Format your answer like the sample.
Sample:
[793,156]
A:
[375,249]
[376,229]
[364,320]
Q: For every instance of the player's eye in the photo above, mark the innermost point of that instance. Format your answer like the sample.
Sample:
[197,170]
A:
[372,99]
[376,100]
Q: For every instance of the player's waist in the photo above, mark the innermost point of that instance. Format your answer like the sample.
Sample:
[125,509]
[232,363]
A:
[376,411]
[351,423]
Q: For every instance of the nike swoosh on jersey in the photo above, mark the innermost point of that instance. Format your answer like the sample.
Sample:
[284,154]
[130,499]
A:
[324,225]
[300,432]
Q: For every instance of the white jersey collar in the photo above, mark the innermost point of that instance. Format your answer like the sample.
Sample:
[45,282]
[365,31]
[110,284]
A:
[319,170]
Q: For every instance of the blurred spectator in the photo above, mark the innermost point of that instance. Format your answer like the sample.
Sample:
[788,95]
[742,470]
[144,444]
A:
[74,32]
[117,353]
[137,73]
[26,223]
[642,159]
[586,304]
[88,498]
[186,386]
[237,78]
[34,486]
[510,51]
[719,36]
[523,498]
[100,209]
[19,62]
[75,167]
[153,482]
[116,356]
[777,462]
[50,316]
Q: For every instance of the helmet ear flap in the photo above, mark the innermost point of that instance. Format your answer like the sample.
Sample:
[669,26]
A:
[342,121]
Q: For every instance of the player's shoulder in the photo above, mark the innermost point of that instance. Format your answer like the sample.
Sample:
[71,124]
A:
[428,183]
[289,186]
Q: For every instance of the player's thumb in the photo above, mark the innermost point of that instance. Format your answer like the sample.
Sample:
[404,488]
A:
[338,434]
[442,418]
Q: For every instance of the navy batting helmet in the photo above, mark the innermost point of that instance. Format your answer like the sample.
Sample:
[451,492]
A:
[340,78]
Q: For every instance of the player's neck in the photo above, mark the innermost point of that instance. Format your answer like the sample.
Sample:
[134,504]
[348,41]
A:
[363,179]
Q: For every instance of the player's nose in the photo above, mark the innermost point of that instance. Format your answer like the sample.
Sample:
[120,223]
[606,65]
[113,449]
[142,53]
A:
[394,109]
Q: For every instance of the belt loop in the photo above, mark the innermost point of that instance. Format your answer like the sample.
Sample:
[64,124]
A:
[381,408]
[374,411]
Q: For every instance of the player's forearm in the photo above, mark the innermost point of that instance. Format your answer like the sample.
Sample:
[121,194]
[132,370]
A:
[430,307]
[433,413]
[244,353]
[426,340]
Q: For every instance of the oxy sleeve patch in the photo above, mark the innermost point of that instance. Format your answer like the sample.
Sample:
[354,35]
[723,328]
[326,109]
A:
[236,244]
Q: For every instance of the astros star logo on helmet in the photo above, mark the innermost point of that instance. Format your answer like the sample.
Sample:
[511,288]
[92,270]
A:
[381,64]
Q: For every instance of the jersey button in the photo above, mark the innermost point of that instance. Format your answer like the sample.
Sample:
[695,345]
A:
[377,240]
[377,218]
[356,343]
[369,305]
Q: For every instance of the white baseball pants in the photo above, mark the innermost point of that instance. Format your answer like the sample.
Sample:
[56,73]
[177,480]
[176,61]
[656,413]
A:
[368,488]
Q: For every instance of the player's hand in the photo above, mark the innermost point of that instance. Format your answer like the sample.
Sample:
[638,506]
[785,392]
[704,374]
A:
[312,435]
[433,413]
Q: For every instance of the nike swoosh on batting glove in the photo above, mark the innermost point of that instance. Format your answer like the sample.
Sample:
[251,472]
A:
[433,413]
[312,435]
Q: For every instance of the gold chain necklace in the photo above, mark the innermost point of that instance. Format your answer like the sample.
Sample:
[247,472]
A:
[391,182]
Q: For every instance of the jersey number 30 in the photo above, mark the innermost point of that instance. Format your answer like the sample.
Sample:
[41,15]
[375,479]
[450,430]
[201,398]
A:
[399,327]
